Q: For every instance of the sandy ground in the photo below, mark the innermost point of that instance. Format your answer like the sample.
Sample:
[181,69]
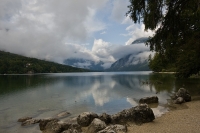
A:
[184,118]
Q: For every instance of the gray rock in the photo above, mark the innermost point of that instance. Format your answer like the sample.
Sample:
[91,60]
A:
[72,120]
[75,127]
[44,122]
[53,127]
[96,126]
[179,100]
[182,93]
[24,119]
[86,118]
[143,114]
[71,131]
[114,129]
[122,117]
[148,100]
[71,128]
[30,122]
[140,114]
[105,117]
[56,126]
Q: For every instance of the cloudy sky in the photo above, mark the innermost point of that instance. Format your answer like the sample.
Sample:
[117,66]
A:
[60,29]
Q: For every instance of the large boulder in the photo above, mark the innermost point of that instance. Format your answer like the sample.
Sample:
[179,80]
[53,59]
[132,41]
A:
[123,116]
[114,129]
[139,114]
[71,128]
[86,118]
[55,126]
[105,117]
[143,114]
[148,100]
[181,96]
[96,126]
[44,122]
[51,126]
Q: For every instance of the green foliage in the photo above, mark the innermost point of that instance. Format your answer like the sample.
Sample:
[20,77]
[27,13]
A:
[159,63]
[177,36]
[16,64]
[156,63]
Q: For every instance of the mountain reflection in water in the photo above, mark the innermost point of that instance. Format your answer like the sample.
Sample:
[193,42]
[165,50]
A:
[110,92]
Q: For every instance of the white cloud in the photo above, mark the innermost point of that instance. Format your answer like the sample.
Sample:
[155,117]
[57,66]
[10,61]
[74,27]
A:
[41,28]
[102,49]
[122,51]
[127,20]
[92,23]
[141,57]
[119,10]
[137,31]
[60,29]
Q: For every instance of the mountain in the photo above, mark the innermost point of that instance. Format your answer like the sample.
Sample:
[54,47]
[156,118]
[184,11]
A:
[126,63]
[140,40]
[130,63]
[87,64]
[18,64]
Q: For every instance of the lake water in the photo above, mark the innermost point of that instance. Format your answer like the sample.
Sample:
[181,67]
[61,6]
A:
[46,95]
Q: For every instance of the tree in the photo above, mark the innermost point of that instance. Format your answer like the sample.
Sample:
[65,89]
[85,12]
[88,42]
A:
[177,31]
[156,63]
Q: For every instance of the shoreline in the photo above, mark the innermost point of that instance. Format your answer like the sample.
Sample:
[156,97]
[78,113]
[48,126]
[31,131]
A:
[166,72]
[185,118]
[181,118]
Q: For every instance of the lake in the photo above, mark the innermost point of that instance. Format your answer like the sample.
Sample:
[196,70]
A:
[46,95]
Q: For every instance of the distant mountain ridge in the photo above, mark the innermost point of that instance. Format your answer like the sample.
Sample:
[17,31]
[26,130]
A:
[130,63]
[140,40]
[126,63]
[86,64]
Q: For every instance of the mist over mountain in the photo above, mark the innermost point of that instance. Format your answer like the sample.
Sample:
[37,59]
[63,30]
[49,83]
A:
[87,64]
[130,63]
[126,58]
[140,40]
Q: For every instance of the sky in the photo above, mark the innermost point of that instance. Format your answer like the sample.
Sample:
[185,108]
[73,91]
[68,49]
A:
[55,30]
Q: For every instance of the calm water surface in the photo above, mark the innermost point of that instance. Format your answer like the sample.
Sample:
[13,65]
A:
[46,95]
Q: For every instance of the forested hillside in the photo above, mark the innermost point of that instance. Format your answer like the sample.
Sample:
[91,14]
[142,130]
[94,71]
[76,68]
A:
[17,64]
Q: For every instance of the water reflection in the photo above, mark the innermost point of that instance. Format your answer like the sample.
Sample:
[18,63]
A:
[23,95]
[162,82]
[13,83]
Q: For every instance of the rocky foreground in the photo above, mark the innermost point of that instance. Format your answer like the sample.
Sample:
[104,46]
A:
[89,122]
[184,118]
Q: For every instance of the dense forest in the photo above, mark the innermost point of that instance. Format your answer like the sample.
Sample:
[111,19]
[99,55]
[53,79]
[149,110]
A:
[17,64]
